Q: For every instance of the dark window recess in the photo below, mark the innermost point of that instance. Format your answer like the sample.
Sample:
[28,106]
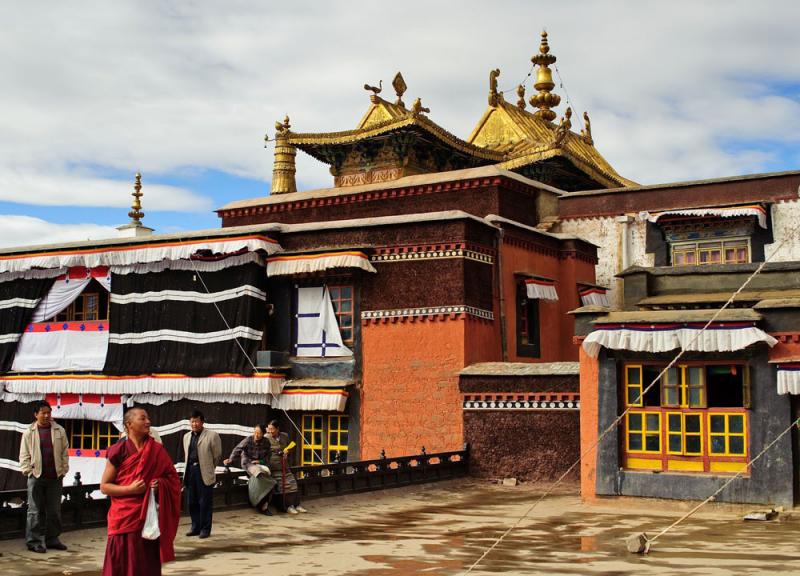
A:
[528,339]
[653,396]
[725,385]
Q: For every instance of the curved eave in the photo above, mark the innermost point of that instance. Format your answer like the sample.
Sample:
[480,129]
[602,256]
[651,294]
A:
[308,142]
[532,156]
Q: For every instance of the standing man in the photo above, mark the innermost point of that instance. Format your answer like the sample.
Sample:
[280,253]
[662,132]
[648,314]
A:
[44,460]
[136,466]
[203,449]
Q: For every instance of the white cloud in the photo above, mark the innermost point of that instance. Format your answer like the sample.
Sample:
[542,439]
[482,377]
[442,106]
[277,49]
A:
[26,230]
[74,189]
[161,87]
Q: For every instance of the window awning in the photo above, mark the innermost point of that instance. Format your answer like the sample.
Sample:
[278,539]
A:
[263,383]
[664,337]
[723,212]
[789,378]
[593,296]
[92,257]
[541,289]
[308,263]
[313,394]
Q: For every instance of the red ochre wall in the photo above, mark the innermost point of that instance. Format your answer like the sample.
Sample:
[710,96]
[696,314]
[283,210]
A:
[589,368]
[556,327]
[410,396]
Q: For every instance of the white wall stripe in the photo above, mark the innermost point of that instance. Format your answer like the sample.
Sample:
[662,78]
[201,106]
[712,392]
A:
[188,337]
[8,338]
[189,296]
[8,426]
[19,303]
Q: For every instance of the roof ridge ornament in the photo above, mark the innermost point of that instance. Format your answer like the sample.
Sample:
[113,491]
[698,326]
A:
[560,135]
[545,99]
[521,95]
[375,90]
[136,213]
[586,133]
[417,108]
[399,85]
[494,97]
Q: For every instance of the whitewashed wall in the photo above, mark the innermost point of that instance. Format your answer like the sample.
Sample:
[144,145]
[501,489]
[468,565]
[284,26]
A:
[785,217]
[607,233]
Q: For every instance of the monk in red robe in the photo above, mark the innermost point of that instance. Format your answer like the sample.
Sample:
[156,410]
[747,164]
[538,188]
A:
[136,466]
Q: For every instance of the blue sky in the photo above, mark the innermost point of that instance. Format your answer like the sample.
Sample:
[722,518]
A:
[184,92]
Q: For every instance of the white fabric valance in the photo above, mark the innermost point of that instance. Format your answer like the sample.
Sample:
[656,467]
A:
[189,264]
[33,274]
[594,296]
[308,263]
[540,289]
[317,329]
[136,254]
[327,399]
[159,399]
[723,212]
[789,378]
[62,346]
[155,384]
[663,338]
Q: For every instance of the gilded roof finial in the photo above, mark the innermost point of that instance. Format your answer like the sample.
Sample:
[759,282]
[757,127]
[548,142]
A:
[136,213]
[417,108]
[545,99]
[521,94]
[493,95]
[586,133]
[399,85]
[283,168]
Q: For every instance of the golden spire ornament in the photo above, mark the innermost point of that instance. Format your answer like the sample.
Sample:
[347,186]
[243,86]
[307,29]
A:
[283,167]
[521,94]
[545,99]
[136,213]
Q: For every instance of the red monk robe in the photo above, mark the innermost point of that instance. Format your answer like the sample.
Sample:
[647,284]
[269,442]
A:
[127,553]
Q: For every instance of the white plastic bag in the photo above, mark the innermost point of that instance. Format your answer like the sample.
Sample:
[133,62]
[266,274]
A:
[150,530]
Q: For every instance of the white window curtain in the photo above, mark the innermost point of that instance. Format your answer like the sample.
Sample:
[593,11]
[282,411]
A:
[63,347]
[66,290]
[317,329]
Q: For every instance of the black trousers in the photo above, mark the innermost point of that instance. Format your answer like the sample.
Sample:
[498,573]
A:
[200,499]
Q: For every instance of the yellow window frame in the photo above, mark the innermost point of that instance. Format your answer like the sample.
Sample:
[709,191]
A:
[643,433]
[628,386]
[312,425]
[337,425]
[727,434]
[683,433]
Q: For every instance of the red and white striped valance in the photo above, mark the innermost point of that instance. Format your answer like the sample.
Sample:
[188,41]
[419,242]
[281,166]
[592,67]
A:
[541,289]
[135,254]
[719,337]
[324,399]
[263,383]
[100,407]
[309,263]
[789,378]
[723,212]
[594,296]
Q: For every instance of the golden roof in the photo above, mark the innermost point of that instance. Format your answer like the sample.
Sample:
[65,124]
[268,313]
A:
[392,141]
[527,139]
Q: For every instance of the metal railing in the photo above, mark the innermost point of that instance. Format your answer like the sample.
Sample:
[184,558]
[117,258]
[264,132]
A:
[81,510]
